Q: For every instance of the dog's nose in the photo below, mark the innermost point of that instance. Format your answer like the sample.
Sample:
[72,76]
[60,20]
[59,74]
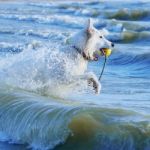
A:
[112,44]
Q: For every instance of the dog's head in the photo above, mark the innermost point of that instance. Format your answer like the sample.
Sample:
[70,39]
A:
[90,40]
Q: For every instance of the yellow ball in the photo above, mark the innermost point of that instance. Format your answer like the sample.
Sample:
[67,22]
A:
[107,51]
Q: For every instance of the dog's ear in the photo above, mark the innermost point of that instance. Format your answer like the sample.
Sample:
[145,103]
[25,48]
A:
[90,28]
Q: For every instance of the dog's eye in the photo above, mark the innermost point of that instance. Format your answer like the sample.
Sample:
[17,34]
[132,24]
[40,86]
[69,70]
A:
[101,37]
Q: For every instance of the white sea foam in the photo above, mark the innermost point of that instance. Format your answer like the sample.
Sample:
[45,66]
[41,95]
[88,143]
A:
[38,68]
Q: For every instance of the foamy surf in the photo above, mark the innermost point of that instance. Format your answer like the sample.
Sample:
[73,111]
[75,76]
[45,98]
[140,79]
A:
[43,123]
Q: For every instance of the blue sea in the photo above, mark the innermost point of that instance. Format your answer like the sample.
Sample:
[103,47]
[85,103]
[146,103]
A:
[37,113]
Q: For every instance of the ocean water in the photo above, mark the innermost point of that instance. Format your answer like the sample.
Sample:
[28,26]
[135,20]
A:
[37,112]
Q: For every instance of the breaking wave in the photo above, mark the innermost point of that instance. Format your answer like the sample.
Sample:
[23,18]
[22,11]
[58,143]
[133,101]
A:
[43,124]
[127,14]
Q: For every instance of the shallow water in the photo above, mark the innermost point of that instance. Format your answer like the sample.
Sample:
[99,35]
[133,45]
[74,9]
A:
[37,113]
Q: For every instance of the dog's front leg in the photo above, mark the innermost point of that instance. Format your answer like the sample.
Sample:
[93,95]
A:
[92,81]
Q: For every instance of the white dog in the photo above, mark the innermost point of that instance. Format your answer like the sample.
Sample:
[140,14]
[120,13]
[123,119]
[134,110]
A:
[66,68]
[82,47]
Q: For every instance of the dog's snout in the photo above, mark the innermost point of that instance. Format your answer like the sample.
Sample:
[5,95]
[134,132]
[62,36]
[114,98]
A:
[112,44]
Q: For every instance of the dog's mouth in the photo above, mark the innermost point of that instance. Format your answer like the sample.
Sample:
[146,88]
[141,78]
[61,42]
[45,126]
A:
[101,52]
[106,52]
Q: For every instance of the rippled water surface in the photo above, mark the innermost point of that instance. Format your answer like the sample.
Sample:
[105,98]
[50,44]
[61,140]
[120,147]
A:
[36,113]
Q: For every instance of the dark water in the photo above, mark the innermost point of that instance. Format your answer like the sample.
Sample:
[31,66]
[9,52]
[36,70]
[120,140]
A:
[34,114]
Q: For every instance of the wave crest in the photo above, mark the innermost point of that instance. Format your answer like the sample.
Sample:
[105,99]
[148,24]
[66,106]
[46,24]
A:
[126,14]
